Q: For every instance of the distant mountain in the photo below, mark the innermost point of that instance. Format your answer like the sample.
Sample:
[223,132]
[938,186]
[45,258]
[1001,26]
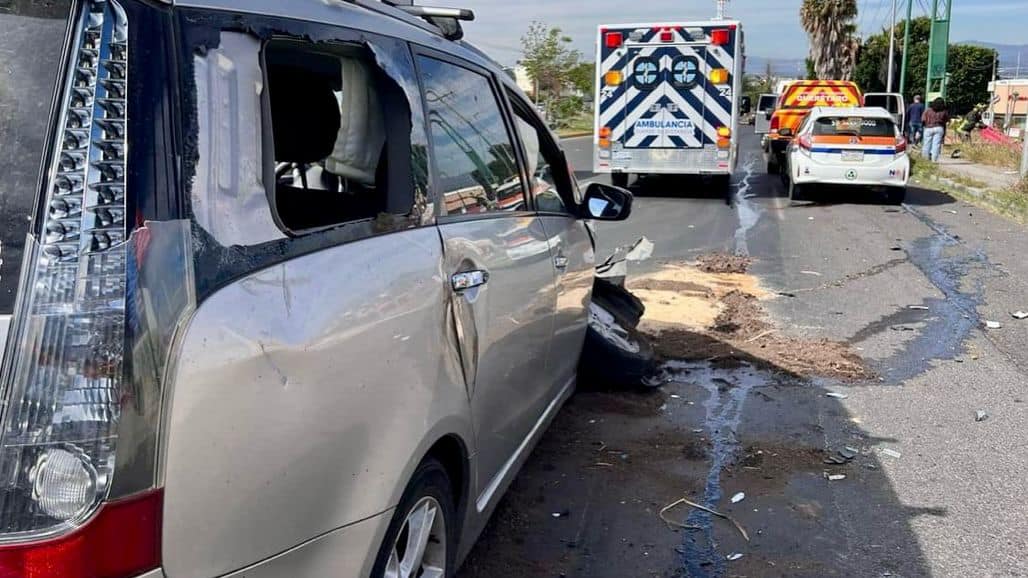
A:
[784,67]
[1007,56]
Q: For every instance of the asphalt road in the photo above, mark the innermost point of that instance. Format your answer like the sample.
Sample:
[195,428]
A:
[946,498]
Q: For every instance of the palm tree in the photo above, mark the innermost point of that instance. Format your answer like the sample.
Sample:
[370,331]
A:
[833,42]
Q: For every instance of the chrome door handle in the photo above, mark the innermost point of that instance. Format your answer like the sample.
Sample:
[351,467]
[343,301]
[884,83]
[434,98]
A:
[560,262]
[468,279]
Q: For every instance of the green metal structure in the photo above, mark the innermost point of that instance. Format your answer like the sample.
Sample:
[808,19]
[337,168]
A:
[938,50]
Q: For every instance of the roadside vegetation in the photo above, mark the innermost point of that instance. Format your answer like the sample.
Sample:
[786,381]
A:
[994,155]
[1010,202]
[562,83]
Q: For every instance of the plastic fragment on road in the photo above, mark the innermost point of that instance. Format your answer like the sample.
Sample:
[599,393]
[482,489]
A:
[918,307]
[733,557]
[836,395]
[834,477]
[891,453]
[738,497]
[993,325]
[980,415]
[1020,315]
[813,273]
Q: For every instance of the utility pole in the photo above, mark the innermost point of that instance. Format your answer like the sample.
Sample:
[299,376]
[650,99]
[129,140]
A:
[938,50]
[906,47]
[892,48]
[1024,152]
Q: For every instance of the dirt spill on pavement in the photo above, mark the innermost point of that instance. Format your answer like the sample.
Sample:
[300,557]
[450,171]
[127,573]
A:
[712,310]
[723,263]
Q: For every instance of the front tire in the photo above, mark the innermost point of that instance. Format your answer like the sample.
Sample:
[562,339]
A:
[619,180]
[422,537]
[795,191]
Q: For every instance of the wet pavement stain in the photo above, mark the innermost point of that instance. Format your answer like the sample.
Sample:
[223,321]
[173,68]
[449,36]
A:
[727,393]
[942,330]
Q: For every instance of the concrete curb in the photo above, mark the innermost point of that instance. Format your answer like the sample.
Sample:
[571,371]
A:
[968,190]
[574,134]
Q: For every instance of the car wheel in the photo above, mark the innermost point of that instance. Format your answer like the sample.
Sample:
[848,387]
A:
[795,191]
[421,540]
[615,353]
[619,180]
[896,195]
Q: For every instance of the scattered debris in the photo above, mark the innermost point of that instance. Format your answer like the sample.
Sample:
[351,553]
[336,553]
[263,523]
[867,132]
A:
[918,307]
[848,453]
[786,294]
[980,415]
[723,263]
[993,325]
[895,248]
[891,453]
[834,477]
[603,465]
[836,395]
[733,556]
[951,211]
[814,273]
[742,496]
[1020,315]
[686,501]
[758,336]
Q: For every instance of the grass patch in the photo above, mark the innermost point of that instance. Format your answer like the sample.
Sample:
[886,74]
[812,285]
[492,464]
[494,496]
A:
[1011,202]
[994,155]
[578,125]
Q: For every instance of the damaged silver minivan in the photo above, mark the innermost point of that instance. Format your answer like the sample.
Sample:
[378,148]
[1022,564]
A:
[286,289]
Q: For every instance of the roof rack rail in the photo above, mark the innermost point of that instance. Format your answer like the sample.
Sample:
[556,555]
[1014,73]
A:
[447,20]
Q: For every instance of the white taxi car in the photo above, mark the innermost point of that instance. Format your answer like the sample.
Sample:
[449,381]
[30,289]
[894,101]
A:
[848,146]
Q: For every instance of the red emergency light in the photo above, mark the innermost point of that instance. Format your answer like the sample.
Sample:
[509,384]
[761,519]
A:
[614,39]
[667,36]
[720,37]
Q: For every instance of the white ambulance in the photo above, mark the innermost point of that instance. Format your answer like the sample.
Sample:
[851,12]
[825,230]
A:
[668,99]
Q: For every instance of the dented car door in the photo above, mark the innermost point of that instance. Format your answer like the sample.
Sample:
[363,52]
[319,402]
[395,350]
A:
[498,263]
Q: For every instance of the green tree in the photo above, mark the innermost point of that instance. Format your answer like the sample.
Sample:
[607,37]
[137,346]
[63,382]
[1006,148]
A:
[833,44]
[548,58]
[970,70]
[970,67]
[583,77]
[551,64]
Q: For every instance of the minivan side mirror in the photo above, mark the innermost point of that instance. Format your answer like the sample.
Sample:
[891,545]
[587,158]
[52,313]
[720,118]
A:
[606,203]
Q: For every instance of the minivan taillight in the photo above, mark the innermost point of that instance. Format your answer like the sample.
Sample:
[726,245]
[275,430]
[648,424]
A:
[98,305]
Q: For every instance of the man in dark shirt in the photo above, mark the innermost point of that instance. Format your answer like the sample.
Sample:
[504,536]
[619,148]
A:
[914,124]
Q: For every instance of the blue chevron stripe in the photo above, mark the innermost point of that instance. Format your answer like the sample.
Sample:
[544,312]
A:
[706,106]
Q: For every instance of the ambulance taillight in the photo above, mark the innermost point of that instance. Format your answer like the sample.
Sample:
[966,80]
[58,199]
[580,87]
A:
[614,39]
[720,37]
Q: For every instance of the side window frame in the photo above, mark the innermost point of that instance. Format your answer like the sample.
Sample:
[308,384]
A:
[199,30]
[546,139]
[419,51]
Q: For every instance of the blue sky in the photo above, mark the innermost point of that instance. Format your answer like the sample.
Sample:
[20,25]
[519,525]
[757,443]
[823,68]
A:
[772,26]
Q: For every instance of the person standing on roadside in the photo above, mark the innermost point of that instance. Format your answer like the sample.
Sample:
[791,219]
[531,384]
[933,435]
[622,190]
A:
[934,120]
[914,123]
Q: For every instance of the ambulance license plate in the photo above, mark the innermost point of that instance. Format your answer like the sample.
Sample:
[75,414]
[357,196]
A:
[853,156]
